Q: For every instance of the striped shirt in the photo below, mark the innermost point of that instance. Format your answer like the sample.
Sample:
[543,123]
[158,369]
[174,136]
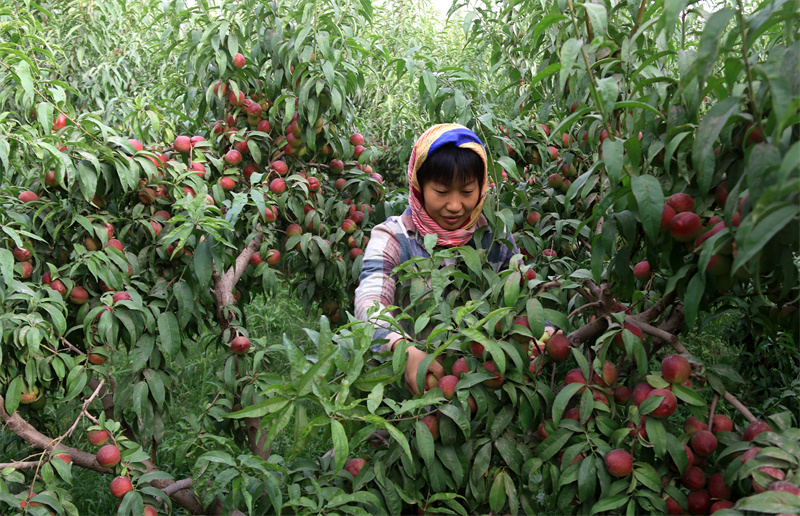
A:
[393,243]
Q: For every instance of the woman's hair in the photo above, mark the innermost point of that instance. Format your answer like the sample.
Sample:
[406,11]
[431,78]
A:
[451,164]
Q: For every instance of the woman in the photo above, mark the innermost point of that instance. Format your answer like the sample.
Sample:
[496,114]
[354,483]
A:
[448,181]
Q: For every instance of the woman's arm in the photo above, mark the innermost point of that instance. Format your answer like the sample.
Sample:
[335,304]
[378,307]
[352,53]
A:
[377,286]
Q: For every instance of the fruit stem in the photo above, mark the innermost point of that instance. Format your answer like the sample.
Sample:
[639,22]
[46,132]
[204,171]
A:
[711,412]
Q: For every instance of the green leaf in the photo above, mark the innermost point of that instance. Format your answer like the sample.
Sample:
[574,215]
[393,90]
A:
[56,317]
[657,435]
[557,318]
[509,165]
[671,13]
[650,404]
[23,73]
[497,493]
[569,54]
[469,19]
[375,398]
[762,168]
[587,478]
[13,394]
[553,444]
[694,294]
[430,82]
[677,452]
[547,72]
[6,265]
[647,475]
[707,134]
[511,289]
[511,455]
[398,436]
[76,381]
[709,44]
[156,386]
[749,242]
[609,91]
[536,318]
[598,17]
[268,406]
[650,200]
[472,260]
[610,503]
[169,333]
[770,502]
[563,398]
[501,421]
[341,448]
[87,180]
[613,152]
[425,445]
[496,352]
[203,263]
[459,416]
[688,395]
[317,370]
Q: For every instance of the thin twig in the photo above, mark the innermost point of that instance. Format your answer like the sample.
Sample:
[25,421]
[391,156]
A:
[730,398]
[584,307]
[31,464]
[549,284]
[84,412]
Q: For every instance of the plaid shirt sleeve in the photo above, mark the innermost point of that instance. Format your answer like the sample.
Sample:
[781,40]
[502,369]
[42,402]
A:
[376,284]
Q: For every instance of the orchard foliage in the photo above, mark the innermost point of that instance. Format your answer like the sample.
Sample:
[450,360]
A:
[644,158]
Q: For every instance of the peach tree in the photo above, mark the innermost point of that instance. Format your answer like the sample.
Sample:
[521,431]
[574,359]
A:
[132,248]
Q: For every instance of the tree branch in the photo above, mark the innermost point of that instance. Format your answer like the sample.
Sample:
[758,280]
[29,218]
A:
[31,464]
[730,398]
[16,424]
[657,309]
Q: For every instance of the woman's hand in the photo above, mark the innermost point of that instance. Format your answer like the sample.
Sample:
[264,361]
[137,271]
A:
[415,358]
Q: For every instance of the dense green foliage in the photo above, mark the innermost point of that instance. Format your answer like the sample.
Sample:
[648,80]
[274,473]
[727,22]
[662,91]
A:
[596,117]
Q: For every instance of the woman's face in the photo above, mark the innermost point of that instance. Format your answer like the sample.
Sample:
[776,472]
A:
[450,206]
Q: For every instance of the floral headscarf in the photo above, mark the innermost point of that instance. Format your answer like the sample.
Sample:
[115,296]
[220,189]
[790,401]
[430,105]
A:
[431,140]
